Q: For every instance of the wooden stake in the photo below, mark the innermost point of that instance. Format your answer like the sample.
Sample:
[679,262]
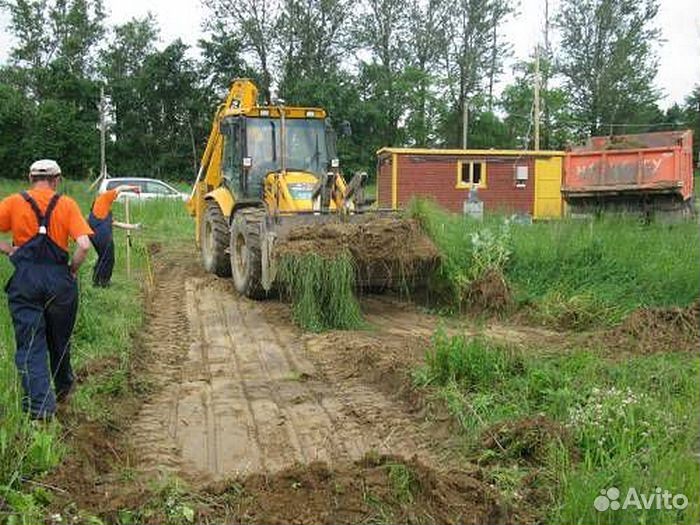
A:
[128,240]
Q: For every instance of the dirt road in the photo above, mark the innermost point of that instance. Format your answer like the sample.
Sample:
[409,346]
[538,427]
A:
[245,395]
[267,424]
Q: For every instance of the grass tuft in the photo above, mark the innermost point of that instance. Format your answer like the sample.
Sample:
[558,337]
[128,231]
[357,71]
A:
[321,291]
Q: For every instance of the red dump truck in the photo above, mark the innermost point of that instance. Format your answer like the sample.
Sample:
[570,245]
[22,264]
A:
[649,172]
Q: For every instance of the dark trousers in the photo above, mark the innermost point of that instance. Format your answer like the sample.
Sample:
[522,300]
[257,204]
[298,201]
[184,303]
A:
[43,302]
[102,272]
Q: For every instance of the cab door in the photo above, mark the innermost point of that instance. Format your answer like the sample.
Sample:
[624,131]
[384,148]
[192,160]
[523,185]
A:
[232,158]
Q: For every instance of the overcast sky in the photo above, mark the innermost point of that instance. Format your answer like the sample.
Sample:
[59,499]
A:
[679,21]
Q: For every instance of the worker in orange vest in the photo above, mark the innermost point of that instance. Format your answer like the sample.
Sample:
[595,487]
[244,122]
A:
[43,292]
[101,222]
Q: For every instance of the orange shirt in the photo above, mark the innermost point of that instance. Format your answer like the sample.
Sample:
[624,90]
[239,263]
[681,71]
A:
[17,216]
[103,204]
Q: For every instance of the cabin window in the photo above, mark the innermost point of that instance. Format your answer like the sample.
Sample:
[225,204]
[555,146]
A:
[471,174]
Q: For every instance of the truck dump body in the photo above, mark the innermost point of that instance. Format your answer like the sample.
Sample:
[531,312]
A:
[649,168]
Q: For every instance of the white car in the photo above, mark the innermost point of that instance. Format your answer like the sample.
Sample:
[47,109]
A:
[150,189]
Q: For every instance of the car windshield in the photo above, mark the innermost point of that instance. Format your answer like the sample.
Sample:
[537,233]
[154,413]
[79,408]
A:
[305,145]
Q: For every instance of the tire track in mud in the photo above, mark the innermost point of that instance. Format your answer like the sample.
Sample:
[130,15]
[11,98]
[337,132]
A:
[237,393]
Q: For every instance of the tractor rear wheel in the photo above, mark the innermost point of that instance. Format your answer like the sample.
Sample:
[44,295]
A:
[214,241]
[246,259]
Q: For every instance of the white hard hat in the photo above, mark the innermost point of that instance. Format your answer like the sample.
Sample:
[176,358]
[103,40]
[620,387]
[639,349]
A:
[44,168]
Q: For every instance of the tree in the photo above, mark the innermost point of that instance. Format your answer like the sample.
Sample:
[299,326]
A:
[255,22]
[691,109]
[53,66]
[221,62]
[426,40]
[608,62]
[123,62]
[16,125]
[517,102]
[381,33]
[49,31]
[313,33]
[160,111]
[472,54]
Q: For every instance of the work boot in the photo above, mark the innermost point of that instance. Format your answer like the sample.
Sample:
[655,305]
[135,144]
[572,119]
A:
[63,396]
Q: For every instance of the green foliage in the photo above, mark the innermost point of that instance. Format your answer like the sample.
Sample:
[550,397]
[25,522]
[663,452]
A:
[53,89]
[557,125]
[575,274]
[469,363]
[628,423]
[469,249]
[691,116]
[608,61]
[403,482]
[321,290]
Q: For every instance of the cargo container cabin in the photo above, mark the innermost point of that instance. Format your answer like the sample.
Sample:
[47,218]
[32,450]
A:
[646,172]
[507,181]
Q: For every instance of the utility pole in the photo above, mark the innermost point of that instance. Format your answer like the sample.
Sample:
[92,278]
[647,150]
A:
[103,133]
[537,98]
[465,122]
[545,77]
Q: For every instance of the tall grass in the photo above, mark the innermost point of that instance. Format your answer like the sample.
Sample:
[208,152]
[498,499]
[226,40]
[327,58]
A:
[632,423]
[321,290]
[572,273]
[107,320]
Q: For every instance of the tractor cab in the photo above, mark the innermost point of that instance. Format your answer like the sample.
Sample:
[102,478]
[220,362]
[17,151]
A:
[268,144]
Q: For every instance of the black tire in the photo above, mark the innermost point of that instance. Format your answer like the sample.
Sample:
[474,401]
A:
[214,241]
[246,260]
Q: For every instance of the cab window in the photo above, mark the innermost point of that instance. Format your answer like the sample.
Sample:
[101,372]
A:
[231,162]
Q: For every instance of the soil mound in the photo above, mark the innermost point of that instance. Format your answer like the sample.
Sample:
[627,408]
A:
[489,293]
[375,489]
[388,252]
[525,440]
[650,330]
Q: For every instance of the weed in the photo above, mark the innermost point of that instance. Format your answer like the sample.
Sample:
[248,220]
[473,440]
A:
[322,291]
[470,363]
[402,482]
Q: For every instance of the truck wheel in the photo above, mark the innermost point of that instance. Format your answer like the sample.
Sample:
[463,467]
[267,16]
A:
[246,261]
[214,241]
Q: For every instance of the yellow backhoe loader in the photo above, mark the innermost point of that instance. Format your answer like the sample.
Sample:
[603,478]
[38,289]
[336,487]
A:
[268,173]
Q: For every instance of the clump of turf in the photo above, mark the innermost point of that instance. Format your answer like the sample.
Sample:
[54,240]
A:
[321,290]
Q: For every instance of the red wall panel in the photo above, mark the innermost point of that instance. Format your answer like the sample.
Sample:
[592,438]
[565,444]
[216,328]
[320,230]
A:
[435,176]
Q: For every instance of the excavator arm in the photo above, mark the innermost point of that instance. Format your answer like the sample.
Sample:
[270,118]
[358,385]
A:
[243,94]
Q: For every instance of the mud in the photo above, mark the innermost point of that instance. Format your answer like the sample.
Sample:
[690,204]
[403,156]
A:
[386,251]
[249,400]
[652,330]
[489,293]
[366,491]
[265,424]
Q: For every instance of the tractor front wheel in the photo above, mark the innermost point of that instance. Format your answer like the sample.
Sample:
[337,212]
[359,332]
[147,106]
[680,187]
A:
[246,260]
[214,241]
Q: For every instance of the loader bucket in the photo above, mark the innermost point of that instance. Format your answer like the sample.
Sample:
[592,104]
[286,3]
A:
[387,250]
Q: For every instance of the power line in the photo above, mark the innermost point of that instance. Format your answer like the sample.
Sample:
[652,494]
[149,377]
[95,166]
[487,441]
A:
[608,124]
